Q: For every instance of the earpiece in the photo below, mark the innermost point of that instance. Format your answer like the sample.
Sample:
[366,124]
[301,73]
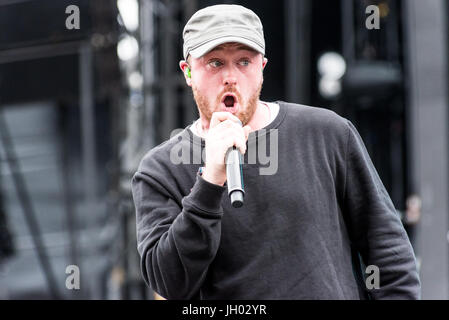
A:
[188,72]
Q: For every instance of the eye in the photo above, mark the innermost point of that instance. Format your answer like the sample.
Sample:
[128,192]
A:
[215,63]
[244,62]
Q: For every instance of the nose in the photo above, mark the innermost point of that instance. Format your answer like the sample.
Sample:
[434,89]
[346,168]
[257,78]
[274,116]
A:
[229,77]
[230,81]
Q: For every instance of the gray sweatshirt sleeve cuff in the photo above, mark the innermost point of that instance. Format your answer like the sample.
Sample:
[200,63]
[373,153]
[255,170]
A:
[206,196]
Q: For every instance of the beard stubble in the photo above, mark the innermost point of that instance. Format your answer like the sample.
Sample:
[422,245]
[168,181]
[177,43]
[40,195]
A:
[245,114]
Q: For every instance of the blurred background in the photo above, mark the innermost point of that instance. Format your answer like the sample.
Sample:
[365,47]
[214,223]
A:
[82,101]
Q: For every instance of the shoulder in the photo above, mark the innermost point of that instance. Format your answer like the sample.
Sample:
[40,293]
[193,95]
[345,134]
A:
[315,119]
[159,157]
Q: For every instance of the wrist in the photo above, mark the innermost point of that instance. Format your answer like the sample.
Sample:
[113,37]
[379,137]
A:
[212,178]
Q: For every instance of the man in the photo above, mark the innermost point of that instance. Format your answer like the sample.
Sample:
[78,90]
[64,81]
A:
[294,235]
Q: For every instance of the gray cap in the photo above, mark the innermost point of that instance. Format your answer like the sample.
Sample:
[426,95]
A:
[215,25]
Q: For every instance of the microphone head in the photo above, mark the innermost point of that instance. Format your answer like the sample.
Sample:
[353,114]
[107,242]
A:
[236,198]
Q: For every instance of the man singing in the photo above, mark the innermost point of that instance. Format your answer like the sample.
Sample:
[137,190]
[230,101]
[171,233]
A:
[303,224]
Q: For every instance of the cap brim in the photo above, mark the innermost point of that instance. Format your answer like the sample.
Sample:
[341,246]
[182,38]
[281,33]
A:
[208,46]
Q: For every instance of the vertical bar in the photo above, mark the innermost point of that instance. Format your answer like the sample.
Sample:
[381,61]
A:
[426,57]
[297,48]
[291,50]
[348,36]
[169,94]
[88,123]
[88,142]
[68,197]
[148,58]
[191,113]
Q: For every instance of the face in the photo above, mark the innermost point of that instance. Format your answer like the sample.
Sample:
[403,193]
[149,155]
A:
[228,78]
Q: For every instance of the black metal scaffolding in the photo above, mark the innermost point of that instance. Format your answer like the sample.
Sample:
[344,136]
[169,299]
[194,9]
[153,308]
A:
[394,90]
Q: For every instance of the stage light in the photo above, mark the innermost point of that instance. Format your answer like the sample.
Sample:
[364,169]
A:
[135,80]
[127,48]
[331,64]
[331,67]
[129,11]
[329,87]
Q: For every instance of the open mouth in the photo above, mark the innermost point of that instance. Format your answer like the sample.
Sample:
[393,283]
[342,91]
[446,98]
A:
[229,100]
[230,103]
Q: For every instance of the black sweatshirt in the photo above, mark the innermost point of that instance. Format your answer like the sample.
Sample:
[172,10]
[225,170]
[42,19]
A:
[292,238]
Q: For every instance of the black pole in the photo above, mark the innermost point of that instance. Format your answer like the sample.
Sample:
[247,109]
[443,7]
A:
[71,218]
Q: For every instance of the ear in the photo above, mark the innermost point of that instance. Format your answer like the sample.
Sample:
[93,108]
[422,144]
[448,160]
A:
[184,65]
[264,63]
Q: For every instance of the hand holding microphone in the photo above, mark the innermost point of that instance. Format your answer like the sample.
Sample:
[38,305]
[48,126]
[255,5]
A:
[225,133]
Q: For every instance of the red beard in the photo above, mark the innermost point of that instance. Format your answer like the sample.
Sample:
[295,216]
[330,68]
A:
[244,114]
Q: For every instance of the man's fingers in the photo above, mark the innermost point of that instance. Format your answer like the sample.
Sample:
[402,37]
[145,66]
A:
[242,146]
[218,117]
[237,142]
[228,125]
[247,129]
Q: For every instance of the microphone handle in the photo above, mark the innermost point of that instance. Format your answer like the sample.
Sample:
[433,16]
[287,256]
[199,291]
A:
[234,176]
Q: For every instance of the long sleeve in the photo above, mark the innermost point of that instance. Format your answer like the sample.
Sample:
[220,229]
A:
[176,242]
[374,226]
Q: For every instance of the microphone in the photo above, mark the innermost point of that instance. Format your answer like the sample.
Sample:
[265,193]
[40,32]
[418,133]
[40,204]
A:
[234,176]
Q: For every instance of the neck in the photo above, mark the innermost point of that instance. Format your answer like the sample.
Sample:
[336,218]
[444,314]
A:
[260,119]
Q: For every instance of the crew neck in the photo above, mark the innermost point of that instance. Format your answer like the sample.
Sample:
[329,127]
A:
[253,135]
